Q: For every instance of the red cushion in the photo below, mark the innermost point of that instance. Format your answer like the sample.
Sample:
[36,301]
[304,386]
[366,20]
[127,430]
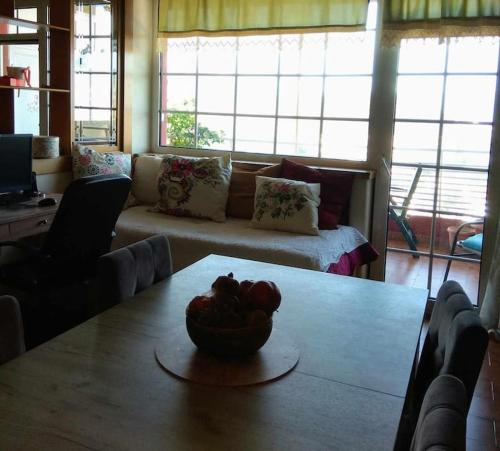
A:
[336,187]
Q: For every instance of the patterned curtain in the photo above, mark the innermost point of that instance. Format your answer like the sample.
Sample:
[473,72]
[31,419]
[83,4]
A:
[234,17]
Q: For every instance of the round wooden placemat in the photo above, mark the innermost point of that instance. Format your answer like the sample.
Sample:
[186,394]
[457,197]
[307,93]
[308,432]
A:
[178,355]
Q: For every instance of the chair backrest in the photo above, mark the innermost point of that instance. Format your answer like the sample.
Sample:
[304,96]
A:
[11,329]
[442,421]
[84,223]
[455,344]
[129,270]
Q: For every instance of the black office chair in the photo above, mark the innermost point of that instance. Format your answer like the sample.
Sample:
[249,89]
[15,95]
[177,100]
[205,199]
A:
[129,270]
[11,329]
[81,232]
[443,417]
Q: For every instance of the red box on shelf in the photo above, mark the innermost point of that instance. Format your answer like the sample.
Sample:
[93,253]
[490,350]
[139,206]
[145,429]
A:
[9,81]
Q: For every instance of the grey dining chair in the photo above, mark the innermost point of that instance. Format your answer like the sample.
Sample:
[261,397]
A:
[11,329]
[131,269]
[443,417]
[455,343]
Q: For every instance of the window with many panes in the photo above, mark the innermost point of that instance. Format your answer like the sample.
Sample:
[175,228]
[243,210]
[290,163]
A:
[301,94]
[442,139]
[96,63]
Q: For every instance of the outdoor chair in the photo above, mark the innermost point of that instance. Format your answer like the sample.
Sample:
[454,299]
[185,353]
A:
[472,246]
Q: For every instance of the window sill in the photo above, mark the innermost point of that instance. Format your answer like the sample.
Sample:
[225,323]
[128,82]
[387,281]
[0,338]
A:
[52,165]
[359,167]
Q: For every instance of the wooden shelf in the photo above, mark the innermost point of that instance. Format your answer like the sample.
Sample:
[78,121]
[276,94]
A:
[27,88]
[29,24]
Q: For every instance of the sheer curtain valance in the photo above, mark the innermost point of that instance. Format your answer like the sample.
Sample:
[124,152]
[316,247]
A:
[440,18]
[233,17]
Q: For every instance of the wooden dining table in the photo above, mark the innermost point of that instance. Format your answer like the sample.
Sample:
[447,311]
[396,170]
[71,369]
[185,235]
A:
[98,386]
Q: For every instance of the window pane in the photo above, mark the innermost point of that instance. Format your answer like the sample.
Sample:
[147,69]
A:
[27,112]
[415,142]
[95,129]
[462,192]
[100,90]
[350,53]
[82,90]
[180,55]
[470,98]
[180,129]
[298,137]
[257,95]
[402,179]
[347,97]
[254,135]
[466,145]
[421,56]
[82,20]
[27,14]
[97,55]
[419,97]
[258,55]
[465,55]
[215,132]
[420,223]
[300,96]
[312,58]
[181,92]
[345,140]
[82,114]
[216,94]
[82,54]
[217,55]
[290,54]
[22,55]
[101,20]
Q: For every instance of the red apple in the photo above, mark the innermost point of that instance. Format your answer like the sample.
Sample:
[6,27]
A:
[264,295]
[198,305]
[244,287]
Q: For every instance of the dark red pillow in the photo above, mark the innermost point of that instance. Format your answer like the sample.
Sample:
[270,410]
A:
[336,187]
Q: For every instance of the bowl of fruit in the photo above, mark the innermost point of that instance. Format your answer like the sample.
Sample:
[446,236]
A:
[233,319]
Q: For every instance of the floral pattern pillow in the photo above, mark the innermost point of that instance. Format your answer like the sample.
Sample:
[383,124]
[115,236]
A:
[288,205]
[196,187]
[87,162]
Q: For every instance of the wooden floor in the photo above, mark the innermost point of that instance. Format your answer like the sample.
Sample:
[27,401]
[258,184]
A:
[404,269]
[483,422]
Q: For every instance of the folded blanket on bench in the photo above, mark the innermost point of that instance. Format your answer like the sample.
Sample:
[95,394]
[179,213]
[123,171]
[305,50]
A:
[336,251]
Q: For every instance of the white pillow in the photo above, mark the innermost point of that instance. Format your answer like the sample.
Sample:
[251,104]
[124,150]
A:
[288,205]
[196,187]
[144,179]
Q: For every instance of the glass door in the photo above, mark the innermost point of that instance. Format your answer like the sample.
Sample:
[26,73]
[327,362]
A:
[441,151]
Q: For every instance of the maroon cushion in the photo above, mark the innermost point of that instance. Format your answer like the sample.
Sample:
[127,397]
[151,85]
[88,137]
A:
[335,195]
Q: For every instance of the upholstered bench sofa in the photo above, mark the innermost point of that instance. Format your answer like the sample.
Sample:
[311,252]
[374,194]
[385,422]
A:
[339,250]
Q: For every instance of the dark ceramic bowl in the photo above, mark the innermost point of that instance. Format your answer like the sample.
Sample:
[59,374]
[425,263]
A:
[229,342]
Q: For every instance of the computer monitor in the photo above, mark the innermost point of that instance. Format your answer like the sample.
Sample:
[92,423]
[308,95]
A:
[15,163]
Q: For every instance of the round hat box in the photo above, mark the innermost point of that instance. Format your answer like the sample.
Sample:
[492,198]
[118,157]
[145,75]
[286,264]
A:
[45,146]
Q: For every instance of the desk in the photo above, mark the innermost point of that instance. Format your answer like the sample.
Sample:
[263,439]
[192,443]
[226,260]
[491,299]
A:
[98,386]
[26,219]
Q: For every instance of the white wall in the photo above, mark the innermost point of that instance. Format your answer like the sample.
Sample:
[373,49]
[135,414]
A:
[139,54]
